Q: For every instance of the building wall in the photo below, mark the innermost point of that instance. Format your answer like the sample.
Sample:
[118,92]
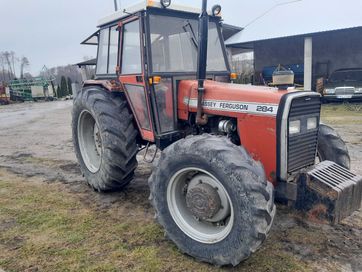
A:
[331,51]
[340,49]
[278,51]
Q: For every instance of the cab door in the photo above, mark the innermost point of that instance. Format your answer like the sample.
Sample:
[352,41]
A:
[132,75]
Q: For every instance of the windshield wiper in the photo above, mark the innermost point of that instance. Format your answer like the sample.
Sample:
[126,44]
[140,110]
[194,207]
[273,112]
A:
[189,29]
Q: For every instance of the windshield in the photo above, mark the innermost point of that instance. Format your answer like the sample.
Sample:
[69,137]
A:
[174,45]
[352,75]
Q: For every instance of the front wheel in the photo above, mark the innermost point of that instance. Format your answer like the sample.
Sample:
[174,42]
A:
[212,199]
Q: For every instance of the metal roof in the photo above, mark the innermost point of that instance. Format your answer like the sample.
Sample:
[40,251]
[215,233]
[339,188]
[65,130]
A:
[143,5]
[230,30]
[306,17]
[227,32]
[90,62]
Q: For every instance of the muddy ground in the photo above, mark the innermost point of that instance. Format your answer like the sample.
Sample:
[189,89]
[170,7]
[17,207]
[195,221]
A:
[50,220]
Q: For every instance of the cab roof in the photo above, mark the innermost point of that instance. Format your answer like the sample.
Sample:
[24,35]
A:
[142,6]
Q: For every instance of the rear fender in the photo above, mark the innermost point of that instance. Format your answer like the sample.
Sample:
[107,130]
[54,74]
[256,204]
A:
[115,87]
[109,85]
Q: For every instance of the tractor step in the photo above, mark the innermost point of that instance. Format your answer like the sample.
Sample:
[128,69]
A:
[329,192]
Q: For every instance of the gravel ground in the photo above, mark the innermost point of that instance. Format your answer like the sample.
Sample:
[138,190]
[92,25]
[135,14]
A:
[35,142]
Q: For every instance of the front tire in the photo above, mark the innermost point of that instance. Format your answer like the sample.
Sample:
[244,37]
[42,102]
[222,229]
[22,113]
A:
[331,147]
[104,138]
[233,205]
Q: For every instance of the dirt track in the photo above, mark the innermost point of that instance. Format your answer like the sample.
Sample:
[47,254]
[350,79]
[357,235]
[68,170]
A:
[36,146]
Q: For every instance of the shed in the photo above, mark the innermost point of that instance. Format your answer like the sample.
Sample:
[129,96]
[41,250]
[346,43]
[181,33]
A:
[318,41]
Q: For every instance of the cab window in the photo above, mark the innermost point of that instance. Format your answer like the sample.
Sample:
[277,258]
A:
[174,45]
[108,51]
[131,62]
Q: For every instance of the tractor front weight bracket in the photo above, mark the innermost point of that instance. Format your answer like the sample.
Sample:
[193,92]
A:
[328,192]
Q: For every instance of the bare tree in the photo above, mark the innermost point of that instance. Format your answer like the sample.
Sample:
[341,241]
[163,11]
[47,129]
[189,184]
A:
[68,71]
[2,63]
[24,63]
[7,57]
[14,59]
[9,64]
[28,76]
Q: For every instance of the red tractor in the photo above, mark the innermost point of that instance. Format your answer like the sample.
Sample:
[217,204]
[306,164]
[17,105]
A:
[228,150]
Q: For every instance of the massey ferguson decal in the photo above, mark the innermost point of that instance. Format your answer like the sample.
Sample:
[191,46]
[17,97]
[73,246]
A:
[235,106]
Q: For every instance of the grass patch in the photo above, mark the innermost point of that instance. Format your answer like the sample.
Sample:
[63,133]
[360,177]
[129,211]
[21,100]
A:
[340,110]
[45,227]
[276,260]
[342,114]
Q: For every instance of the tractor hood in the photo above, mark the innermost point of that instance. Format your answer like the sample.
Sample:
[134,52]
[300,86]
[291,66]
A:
[230,99]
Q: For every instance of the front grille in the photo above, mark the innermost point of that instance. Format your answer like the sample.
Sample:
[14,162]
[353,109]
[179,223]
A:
[344,90]
[302,146]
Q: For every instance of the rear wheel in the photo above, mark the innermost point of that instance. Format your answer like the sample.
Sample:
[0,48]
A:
[331,147]
[104,138]
[212,199]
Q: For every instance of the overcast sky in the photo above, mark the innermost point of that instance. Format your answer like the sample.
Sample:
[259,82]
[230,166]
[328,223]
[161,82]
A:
[48,32]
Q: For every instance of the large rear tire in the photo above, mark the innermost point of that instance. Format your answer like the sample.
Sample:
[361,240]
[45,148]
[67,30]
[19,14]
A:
[212,199]
[331,147]
[104,138]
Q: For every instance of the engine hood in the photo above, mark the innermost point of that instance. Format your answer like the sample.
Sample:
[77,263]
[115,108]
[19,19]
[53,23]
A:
[232,98]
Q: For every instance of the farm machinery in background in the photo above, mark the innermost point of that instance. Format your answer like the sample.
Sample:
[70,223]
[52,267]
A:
[33,89]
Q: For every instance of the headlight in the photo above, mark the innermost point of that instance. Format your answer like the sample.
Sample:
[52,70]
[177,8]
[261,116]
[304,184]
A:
[312,123]
[330,91]
[294,127]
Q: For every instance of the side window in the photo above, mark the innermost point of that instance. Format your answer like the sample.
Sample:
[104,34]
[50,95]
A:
[113,50]
[164,101]
[108,51]
[102,60]
[131,62]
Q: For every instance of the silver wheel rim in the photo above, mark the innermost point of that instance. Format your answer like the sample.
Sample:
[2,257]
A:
[90,143]
[211,231]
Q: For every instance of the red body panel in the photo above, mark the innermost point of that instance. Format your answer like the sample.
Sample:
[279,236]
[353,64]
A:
[255,109]
[138,107]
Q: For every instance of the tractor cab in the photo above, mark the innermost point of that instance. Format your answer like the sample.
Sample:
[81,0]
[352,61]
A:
[149,48]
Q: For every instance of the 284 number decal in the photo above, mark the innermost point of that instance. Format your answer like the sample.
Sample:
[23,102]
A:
[264,109]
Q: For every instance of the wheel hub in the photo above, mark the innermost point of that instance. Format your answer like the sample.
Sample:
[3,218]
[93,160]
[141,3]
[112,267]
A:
[200,205]
[203,201]
[90,142]
[97,139]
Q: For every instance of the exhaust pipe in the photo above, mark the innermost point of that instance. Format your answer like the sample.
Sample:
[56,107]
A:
[202,61]
[115,5]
